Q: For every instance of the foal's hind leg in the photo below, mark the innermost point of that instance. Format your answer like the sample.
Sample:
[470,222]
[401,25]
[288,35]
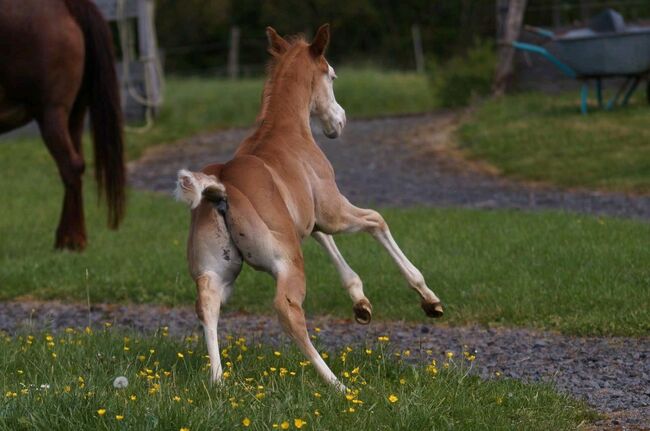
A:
[211,292]
[214,263]
[288,301]
[353,219]
[54,123]
[350,280]
[268,242]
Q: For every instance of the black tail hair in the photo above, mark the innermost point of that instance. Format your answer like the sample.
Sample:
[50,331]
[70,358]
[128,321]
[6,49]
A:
[100,87]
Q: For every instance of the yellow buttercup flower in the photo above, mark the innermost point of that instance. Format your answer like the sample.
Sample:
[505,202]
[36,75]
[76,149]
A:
[101,412]
[246,422]
[299,423]
[393,398]
[284,425]
[119,417]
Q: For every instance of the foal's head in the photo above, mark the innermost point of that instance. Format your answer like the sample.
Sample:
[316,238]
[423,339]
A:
[310,59]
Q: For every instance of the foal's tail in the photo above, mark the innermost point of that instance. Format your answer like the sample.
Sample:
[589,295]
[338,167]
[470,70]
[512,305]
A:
[100,86]
[192,187]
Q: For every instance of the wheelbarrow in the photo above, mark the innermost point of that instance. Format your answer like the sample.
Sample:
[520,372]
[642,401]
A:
[606,49]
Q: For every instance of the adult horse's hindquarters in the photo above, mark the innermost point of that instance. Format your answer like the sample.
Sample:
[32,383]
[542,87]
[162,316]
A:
[56,61]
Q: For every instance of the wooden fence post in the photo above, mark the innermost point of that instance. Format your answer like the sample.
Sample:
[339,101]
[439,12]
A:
[512,28]
[417,48]
[148,52]
[233,53]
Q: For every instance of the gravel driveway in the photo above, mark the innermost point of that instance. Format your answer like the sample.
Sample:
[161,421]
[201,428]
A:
[397,161]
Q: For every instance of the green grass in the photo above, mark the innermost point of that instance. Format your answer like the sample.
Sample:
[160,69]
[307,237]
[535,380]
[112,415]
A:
[544,138]
[573,273]
[167,391]
[195,105]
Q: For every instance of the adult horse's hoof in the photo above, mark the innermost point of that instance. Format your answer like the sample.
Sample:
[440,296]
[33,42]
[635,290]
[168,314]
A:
[362,312]
[70,242]
[432,309]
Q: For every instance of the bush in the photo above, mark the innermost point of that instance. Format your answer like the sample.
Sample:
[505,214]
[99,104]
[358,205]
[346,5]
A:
[463,78]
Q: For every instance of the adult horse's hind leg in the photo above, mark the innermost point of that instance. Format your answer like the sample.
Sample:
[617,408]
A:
[350,280]
[353,219]
[54,125]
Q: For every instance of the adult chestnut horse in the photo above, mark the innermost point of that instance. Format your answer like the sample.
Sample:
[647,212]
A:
[56,61]
[278,190]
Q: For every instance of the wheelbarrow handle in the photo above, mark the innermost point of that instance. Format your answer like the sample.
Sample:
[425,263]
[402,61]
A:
[540,31]
[550,57]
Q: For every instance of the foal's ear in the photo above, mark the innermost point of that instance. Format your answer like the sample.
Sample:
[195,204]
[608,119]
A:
[277,44]
[322,38]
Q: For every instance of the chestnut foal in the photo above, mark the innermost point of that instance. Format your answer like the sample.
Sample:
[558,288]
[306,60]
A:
[278,190]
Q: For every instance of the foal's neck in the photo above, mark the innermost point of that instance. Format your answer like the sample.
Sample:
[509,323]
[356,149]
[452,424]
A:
[286,107]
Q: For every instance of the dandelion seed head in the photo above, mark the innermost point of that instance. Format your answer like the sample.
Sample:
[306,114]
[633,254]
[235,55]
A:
[120,382]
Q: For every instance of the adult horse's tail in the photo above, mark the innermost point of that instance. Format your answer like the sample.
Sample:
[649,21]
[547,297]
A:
[101,90]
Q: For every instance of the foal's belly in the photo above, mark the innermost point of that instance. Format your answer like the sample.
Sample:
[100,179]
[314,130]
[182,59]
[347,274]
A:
[12,115]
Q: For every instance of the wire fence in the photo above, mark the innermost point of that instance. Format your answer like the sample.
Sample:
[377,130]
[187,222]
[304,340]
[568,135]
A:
[396,49]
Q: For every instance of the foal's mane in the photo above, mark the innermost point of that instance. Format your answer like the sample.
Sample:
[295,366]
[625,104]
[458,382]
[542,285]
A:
[274,76]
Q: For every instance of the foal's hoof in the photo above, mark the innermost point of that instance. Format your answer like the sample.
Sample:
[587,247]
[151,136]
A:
[432,309]
[362,312]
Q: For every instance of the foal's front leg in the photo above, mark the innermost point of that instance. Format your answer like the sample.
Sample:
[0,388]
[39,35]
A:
[354,219]
[350,280]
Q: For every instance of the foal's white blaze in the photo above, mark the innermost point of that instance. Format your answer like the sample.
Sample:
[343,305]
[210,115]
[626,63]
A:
[325,107]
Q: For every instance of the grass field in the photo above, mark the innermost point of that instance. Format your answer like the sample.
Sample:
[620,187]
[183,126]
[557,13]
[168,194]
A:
[194,105]
[49,383]
[544,138]
[576,274]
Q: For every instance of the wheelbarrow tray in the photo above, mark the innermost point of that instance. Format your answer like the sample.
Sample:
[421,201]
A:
[601,55]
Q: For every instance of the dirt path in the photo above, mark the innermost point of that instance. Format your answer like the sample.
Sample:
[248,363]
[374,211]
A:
[399,161]
[611,374]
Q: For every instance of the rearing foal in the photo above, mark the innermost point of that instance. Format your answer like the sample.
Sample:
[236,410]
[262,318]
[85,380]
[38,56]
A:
[278,190]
